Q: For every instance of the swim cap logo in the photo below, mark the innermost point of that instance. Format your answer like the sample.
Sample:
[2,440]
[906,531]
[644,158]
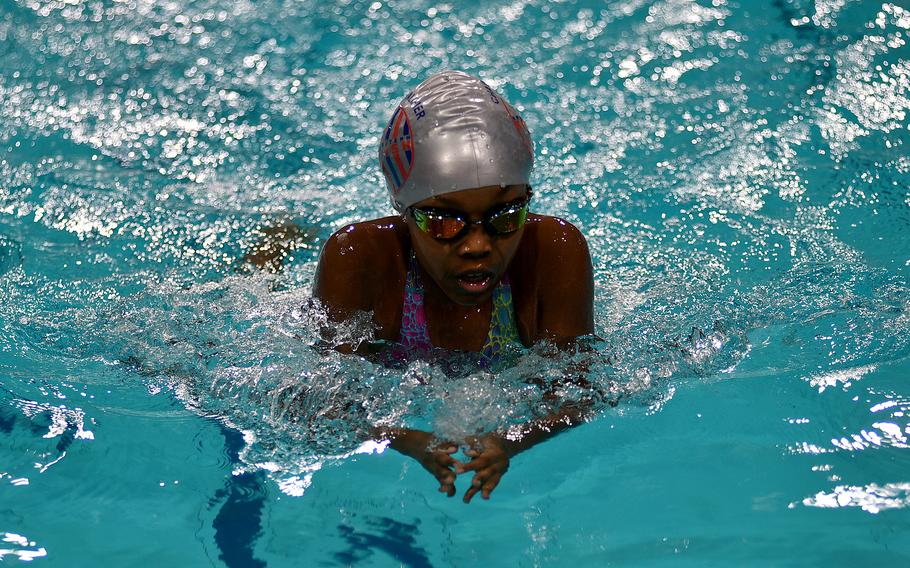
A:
[396,152]
[522,128]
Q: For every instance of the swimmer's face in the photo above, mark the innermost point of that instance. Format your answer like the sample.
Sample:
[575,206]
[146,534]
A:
[468,267]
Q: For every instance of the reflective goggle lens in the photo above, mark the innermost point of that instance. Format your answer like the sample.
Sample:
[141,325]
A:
[445,225]
[509,221]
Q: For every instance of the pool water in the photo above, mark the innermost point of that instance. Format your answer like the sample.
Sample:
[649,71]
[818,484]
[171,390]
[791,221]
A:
[739,168]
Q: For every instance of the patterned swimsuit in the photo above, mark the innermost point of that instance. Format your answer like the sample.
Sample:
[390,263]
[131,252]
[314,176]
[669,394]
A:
[415,337]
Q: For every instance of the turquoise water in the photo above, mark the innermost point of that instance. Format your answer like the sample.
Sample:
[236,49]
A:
[740,170]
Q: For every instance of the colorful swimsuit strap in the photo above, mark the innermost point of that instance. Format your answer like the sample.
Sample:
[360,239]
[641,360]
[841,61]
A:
[414,334]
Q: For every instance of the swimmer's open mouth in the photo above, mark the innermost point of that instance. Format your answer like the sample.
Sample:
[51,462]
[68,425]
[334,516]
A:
[475,281]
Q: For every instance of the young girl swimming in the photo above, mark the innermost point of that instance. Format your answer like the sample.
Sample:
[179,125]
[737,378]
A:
[464,265]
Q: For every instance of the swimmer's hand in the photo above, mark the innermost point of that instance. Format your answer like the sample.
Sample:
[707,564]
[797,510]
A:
[489,462]
[433,455]
[490,454]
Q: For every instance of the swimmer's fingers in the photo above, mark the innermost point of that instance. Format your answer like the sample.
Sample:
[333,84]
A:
[488,468]
[442,458]
[485,481]
[445,461]
[490,485]
[444,475]
[476,485]
[481,459]
[433,455]
[469,494]
[477,463]
[446,480]
[442,466]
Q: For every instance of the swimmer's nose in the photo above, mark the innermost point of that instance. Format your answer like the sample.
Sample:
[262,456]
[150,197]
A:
[476,244]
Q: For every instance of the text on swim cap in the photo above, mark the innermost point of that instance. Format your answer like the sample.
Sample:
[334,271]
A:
[493,96]
[416,106]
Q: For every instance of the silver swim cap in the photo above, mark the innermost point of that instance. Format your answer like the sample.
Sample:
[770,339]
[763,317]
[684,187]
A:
[453,132]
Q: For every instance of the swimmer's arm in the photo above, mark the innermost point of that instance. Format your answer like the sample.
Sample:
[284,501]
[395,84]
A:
[565,291]
[519,438]
[569,413]
[344,275]
[565,313]
[356,270]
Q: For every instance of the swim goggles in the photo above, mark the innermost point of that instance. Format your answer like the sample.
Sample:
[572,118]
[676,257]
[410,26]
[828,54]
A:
[445,224]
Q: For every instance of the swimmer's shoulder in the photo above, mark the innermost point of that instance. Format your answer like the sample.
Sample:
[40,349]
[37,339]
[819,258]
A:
[559,263]
[359,243]
[555,238]
[360,262]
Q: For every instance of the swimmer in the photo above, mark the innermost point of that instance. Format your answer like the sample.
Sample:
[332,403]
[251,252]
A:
[463,265]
